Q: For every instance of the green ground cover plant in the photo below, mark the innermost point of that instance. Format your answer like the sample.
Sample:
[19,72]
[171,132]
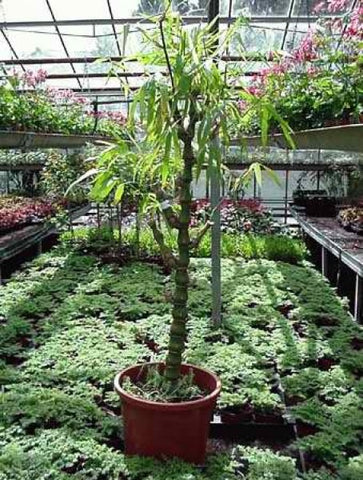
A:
[69,322]
[249,246]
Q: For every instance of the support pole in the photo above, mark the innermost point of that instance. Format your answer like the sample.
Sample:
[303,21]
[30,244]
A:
[324,261]
[286,194]
[215,193]
[358,298]
[216,247]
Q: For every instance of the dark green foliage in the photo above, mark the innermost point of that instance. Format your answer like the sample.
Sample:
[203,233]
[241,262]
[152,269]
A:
[68,323]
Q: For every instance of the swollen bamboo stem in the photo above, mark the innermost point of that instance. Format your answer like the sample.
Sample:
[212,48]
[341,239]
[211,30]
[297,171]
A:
[178,330]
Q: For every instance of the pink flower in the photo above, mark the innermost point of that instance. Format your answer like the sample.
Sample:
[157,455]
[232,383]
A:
[311,71]
[335,6]
[31,79]
[255,91]
[117,117]
[355,25]
[82,100]
[337,24]
[41,75]
[319,7]
[307,49]
[242,105]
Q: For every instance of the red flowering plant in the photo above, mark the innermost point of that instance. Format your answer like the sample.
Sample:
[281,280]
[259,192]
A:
[17,212]
[320,82]
[28,104]
[237,216]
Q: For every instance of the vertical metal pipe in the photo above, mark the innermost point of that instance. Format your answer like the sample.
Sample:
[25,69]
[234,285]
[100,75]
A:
[286,194]
[215,192]
[324,261]
[98,216]
[358,298]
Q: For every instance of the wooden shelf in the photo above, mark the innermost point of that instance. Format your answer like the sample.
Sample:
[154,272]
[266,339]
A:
[26,140]
[347,138]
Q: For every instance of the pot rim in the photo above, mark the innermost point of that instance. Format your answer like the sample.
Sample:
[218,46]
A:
[167,405]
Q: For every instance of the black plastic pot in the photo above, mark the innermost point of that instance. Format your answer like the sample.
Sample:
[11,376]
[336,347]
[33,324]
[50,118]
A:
[270,418]
[233,416]
[317,203]
[320,206]
[300,196]
[304,429]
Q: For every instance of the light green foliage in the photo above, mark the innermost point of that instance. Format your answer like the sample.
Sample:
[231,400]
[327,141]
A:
[354,469]
[264,465]
[59,455]
[72,323]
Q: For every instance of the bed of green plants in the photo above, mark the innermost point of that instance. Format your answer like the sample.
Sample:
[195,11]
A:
[249,246]
[68,322]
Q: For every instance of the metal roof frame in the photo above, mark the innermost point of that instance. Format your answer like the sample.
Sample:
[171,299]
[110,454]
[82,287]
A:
[255,22]
[188,20]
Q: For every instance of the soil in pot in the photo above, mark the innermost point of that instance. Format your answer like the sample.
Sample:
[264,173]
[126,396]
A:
[167,429]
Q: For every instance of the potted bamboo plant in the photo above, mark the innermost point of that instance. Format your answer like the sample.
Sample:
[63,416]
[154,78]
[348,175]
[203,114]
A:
[176,119]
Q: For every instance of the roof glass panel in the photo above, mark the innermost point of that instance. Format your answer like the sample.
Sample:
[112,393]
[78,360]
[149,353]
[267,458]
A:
[134,8]
[259,38]
[192,7]
[64,83]
[81,41]
[51,69]
[78,9]
[306,7]
[94,67]
[24,10]
[5,51]
[256,7]
[42,42]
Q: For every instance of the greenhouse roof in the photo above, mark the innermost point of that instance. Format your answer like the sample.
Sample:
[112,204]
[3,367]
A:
[64,37]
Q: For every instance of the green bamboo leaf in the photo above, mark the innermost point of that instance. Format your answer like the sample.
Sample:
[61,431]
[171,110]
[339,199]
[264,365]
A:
[272,174]
[258,173]
[119,193]
[90,173]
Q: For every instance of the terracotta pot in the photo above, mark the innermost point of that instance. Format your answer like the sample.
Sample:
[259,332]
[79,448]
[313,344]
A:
[163,430]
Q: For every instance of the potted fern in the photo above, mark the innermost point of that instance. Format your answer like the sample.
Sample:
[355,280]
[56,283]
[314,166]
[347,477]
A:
[175,119]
